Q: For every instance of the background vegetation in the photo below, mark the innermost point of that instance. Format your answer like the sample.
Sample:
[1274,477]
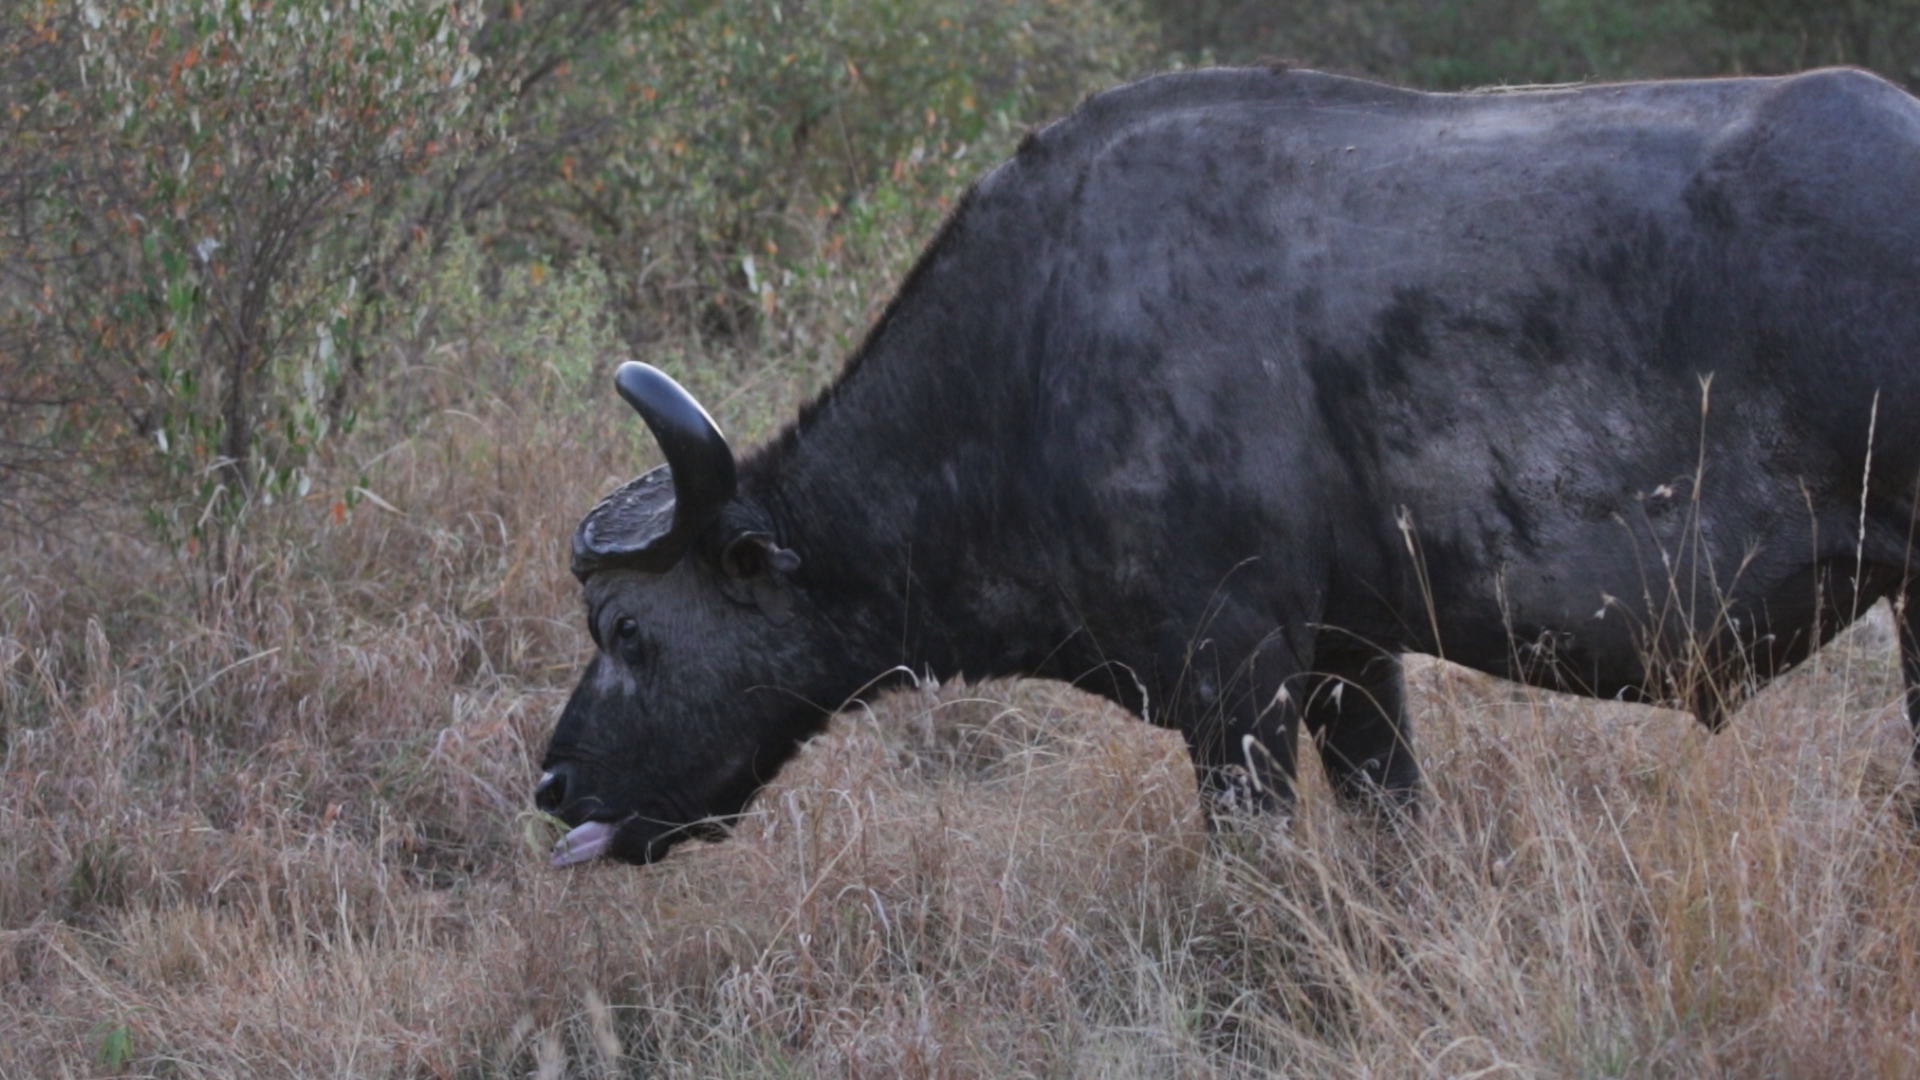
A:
[305,312]
[1449,44]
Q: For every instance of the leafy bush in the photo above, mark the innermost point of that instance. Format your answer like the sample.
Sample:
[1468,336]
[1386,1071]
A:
[1455,43]
[1786,35]
[200,188]
[224,211]
[699,145]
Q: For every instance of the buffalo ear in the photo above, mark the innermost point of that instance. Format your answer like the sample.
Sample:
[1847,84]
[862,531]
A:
[747,566]
[752,554]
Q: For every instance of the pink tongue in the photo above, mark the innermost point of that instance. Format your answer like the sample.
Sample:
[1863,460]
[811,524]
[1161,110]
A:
[585,842]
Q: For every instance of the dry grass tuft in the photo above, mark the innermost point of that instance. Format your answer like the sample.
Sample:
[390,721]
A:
[274,822]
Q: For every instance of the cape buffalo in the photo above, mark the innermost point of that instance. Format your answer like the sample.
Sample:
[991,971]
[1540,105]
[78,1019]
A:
[1234,385]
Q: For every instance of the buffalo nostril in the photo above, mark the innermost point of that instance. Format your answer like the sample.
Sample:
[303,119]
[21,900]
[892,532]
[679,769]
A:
[551,794]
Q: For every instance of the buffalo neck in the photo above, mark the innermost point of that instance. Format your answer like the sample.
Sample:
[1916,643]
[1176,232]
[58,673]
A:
[909,487]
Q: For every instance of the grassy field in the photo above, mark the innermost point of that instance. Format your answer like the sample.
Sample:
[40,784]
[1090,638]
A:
[274,822]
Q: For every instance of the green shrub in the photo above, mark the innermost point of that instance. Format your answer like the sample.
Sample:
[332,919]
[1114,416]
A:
[700,147]
[198,186]
[228,216]
[1446,44]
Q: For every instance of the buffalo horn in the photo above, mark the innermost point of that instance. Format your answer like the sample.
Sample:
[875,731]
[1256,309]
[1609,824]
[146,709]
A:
[649,523]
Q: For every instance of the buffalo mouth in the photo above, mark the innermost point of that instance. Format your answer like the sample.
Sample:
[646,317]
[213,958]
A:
[585,842]
[627,835]
[631,839]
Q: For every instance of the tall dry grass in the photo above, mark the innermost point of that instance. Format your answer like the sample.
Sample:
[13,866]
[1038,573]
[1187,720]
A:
[273,822]
[275,825]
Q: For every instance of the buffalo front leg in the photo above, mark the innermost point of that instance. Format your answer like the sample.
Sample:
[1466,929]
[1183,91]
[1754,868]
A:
[1356,714]
[1243,768]
[1241,733]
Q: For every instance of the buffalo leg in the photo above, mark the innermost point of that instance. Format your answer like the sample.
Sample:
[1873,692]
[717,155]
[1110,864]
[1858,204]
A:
[1356,715]
[1241,731]
[1243,769]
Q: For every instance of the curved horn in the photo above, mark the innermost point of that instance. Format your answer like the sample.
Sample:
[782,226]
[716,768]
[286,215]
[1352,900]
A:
[649,523]
[702,462]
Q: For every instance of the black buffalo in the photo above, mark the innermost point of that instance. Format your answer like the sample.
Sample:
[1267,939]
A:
[1235,385]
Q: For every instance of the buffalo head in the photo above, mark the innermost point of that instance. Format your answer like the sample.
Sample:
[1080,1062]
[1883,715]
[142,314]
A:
[688,706]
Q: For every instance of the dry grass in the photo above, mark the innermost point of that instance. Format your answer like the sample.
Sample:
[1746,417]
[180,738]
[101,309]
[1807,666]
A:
[273,824]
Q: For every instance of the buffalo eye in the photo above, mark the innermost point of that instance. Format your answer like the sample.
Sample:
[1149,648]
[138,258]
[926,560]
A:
[626,639]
